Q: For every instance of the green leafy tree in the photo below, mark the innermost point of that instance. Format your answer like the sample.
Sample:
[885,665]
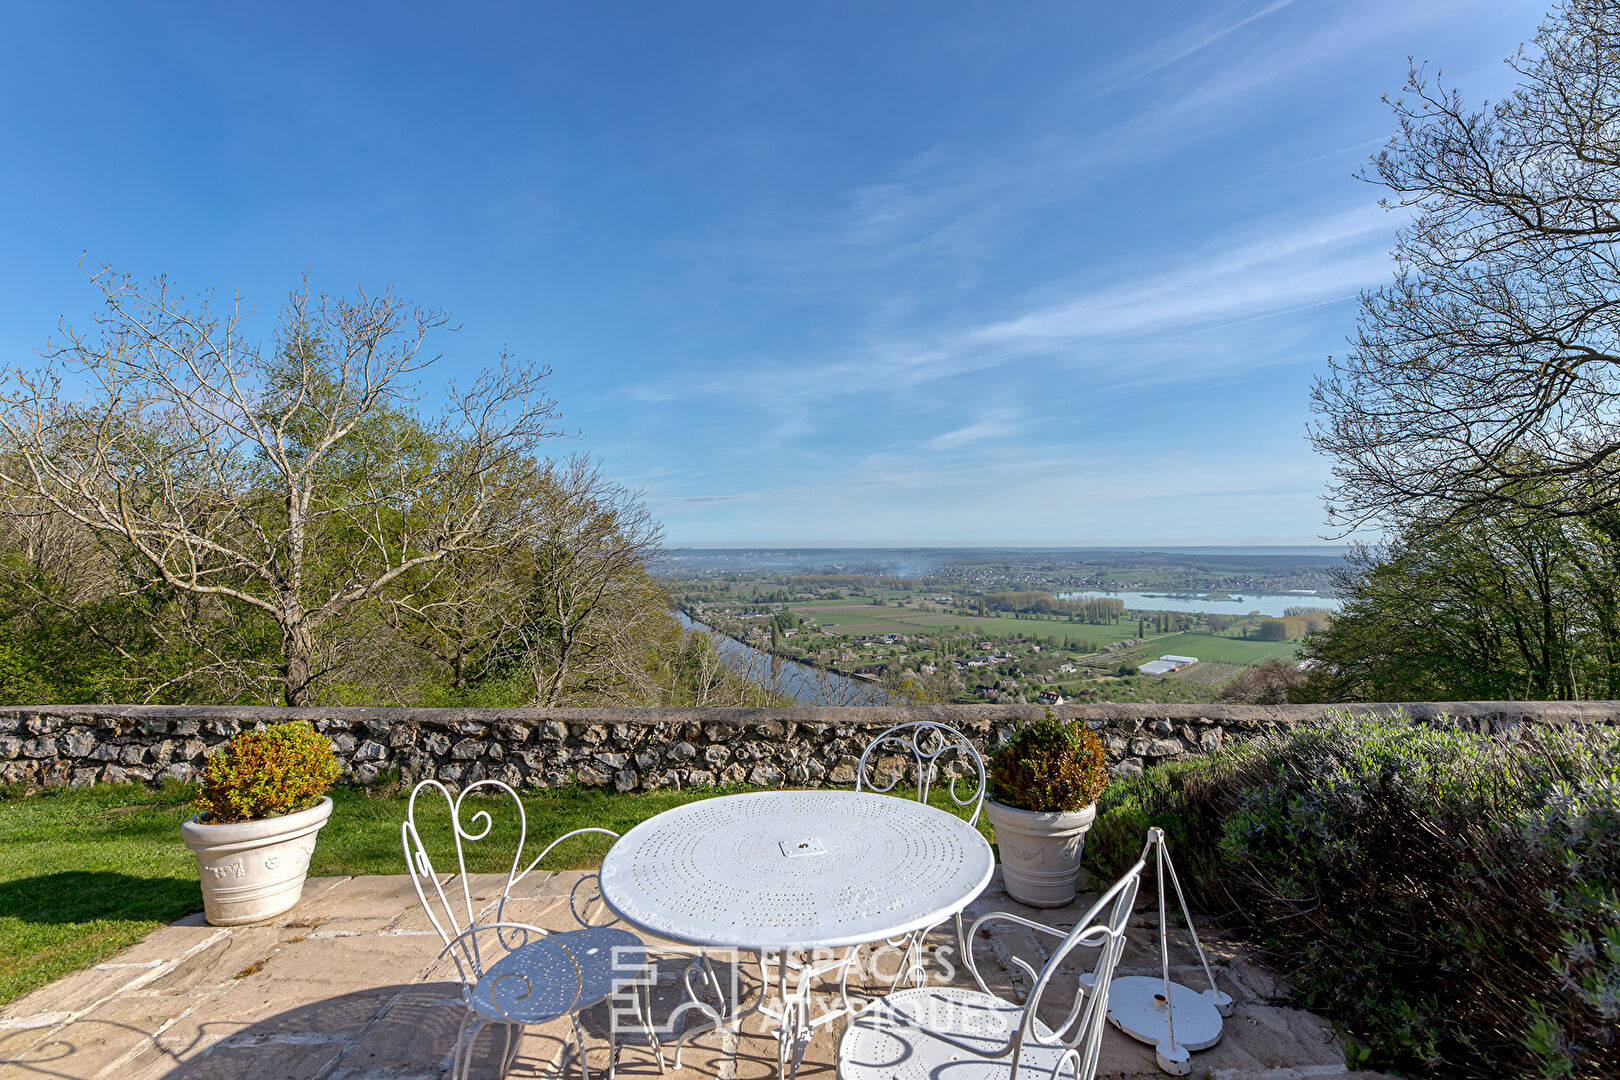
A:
[1273,630]
[1511,607]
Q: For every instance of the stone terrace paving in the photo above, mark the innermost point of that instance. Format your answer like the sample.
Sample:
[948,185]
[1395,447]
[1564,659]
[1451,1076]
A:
[345,987]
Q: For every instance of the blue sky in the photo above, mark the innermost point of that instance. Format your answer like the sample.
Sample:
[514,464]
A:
[806,274]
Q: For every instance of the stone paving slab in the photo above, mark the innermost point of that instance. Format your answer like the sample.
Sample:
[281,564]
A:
[349,986]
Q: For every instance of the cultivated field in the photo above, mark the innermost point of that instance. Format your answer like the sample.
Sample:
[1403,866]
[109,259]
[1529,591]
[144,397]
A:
[857,618]
[1207,673]
[1225,650]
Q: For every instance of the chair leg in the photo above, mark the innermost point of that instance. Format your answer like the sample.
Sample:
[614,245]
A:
[461,1064]
[461,1040]
[579,1043]
[514,1041]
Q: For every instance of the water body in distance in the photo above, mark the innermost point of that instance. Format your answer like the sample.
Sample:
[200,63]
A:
[804,684]
[908,562]
[1265,605]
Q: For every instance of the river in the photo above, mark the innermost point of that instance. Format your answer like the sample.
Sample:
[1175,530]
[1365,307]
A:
[806,685]
[1271,606]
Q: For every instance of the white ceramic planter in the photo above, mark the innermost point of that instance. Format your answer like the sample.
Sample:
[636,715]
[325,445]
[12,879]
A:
[1040,852]
[254,870]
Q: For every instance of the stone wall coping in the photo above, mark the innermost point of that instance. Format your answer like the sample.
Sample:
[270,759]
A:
[1547,712]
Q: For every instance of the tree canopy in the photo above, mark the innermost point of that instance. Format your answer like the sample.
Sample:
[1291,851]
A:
[1489,363]
[187,514]
[1516,606]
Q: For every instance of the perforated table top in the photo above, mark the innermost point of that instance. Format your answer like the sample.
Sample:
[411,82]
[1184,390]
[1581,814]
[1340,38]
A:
[794,870]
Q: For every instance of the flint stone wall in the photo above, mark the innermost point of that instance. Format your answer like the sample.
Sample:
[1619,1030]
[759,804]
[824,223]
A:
[644,749]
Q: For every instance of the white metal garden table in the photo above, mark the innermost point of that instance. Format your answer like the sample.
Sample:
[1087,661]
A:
[783,874]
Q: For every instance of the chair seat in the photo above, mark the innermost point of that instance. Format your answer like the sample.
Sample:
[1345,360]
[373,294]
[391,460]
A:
[559,974]
[887,1041]
[609,957]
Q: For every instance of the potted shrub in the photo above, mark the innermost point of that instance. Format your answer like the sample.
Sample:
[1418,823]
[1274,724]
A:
[1044,783]
[262,801]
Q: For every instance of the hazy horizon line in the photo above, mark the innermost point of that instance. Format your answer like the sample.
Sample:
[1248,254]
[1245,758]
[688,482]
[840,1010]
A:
[822,546]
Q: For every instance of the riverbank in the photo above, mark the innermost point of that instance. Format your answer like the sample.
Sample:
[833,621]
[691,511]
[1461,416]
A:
[806,682]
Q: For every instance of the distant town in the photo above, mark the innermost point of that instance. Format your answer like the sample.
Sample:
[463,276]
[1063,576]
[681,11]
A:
[1016,626]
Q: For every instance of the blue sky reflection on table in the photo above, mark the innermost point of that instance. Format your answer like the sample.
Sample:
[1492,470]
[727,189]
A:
[807,274]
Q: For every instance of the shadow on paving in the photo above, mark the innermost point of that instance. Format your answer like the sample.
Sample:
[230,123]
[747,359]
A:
[75,896]
[402,1030]
[413,1031]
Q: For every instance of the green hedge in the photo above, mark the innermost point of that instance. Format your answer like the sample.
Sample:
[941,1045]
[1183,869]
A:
[1449,899]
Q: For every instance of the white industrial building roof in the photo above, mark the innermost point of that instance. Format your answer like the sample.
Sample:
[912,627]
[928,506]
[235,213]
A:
[1166,664]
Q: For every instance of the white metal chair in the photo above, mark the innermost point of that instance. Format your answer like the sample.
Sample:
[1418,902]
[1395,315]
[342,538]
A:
[933,751]
[931,748]
[953,1033]
[514,974]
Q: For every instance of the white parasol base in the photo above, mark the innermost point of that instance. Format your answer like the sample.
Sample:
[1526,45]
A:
[1136,1006]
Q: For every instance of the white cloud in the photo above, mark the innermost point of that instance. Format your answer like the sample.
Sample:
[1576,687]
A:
[1294,265]
[995,425]
[1195,40]
[1262,270]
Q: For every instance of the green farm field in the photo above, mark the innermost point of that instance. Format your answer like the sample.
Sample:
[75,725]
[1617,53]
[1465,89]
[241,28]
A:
[862,618]
[1225,650]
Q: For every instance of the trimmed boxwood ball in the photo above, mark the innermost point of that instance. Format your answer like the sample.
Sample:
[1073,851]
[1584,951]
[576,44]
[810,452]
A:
[260,774]
[1049,767]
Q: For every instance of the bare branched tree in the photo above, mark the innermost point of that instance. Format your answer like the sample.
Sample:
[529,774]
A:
[749,677]
[1491,363]
[710,679]
[56,574]
[582,632]
[567,606]
[459,613]
[293,480]
[836,690]
[50,546]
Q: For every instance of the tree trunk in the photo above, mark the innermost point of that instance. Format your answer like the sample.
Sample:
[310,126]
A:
[459,662]
[297,646]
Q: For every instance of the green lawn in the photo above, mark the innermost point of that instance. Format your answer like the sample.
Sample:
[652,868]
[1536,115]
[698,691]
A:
[86,872]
